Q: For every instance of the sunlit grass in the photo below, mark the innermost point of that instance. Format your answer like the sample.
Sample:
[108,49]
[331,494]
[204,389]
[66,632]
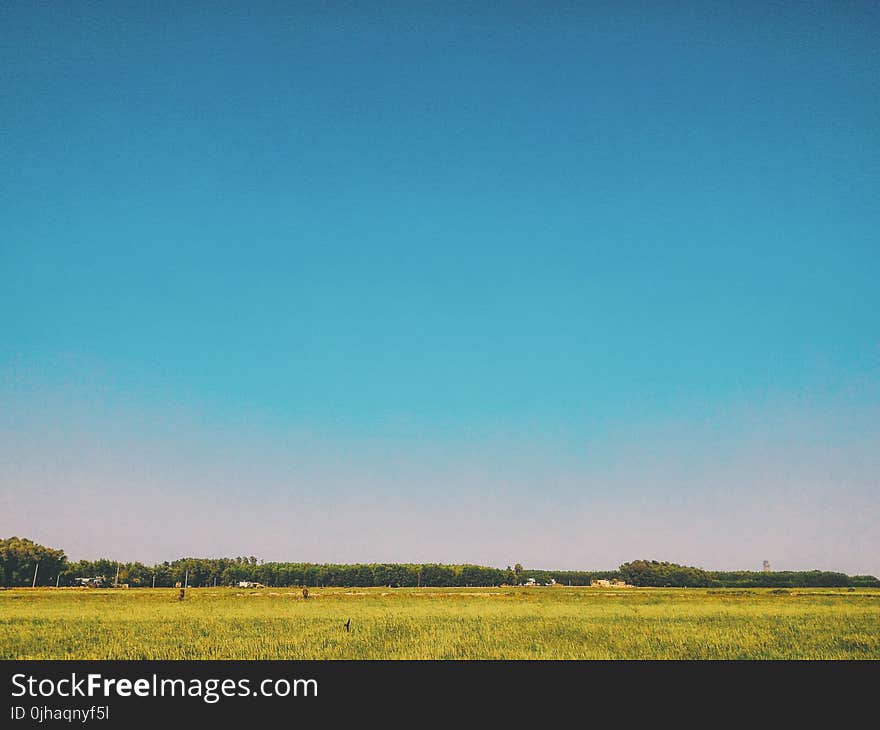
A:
[500,623]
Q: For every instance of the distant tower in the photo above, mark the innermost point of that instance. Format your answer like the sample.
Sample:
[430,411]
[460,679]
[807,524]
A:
[766,566]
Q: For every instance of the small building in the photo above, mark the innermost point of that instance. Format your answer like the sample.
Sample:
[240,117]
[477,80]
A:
[96,582]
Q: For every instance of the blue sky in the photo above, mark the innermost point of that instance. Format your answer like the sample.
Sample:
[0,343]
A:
[563,284]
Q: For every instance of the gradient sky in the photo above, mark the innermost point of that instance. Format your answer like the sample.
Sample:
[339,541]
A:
[564,284]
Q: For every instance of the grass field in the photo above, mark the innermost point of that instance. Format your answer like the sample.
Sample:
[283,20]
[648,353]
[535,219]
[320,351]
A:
[466,623]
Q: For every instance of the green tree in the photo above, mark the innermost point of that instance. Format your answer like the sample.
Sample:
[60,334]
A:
[19,557]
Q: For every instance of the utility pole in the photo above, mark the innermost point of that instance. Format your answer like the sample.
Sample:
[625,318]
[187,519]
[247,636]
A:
[36,567]
[186,579]
[58,580]
[154,580]
[116,579]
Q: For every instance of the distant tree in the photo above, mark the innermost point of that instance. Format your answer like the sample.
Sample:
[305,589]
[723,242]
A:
[659,574]
[20,556]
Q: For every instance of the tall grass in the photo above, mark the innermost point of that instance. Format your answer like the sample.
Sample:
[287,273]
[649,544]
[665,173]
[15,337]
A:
[506,623]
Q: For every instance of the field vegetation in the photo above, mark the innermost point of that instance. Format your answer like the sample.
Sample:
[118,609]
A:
[440,623]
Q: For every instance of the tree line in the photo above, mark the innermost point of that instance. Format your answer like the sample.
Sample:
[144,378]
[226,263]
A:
[22,559]
[662,574]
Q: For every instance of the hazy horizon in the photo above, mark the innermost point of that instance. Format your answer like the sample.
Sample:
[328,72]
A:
[563,286]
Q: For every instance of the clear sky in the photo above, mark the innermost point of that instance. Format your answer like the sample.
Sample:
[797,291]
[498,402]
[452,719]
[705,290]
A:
[564,284]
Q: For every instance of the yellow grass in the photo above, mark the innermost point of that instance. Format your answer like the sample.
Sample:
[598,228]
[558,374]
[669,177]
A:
[499,623]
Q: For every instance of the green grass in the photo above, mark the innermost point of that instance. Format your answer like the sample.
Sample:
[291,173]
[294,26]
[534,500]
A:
[436,623]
